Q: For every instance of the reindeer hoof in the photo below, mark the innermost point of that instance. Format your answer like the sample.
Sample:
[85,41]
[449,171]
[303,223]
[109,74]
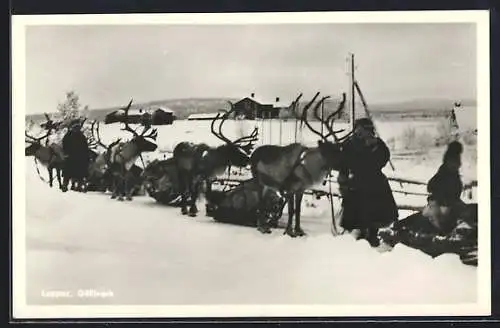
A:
[299,232]
[113,196]
[193,211]
[64,189]
[192,214]
[289,232]
[129,197]
[120,199]
[184,211]
[264,229]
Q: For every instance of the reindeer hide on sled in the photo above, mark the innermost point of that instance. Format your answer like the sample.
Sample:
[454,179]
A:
[161,179]
[239,205]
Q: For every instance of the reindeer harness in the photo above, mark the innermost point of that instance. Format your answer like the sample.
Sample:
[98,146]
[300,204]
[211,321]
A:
[299,162]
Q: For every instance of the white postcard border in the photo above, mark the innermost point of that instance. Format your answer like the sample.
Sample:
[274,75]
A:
[22,310]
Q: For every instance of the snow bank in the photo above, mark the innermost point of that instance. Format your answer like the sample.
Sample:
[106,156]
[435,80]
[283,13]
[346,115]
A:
[149,254]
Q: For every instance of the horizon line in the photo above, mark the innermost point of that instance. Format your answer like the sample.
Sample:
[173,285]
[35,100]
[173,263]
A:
[428,99]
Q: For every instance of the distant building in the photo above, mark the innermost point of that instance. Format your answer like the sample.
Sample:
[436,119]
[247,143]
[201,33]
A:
[163,116]
[252,107]
[154,115]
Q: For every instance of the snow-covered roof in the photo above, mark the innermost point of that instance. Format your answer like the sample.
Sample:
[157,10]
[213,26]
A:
[269,101]
[139,111]
[202,115]
[155,108]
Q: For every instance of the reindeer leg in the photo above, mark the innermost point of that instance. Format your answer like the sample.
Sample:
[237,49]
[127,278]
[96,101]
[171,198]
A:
[121,184]
[73,184]
[208,187]
[298,204]
[65,182]
[58,172]
[120,190]
[262,226]
[128,187]
[84,185]
[195,190]
[183,190]
[291,212]
[51,176]
[114,186]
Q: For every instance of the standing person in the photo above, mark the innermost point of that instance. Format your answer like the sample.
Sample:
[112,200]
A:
[76,163]
[368,203]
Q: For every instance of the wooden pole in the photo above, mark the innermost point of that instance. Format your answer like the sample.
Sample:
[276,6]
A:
[281,131]
[295,131]
[322,116]
[270,130]
[353,96]
[262,129]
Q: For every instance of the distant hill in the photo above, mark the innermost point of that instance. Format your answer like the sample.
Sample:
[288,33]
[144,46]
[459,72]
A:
[185,107]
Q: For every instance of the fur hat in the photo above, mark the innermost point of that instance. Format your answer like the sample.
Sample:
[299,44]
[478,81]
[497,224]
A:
[453,151]
[363,122]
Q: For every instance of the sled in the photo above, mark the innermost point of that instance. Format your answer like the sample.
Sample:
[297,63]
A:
[239,203]
[161,182]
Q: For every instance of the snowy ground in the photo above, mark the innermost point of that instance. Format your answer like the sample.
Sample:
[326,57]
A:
[147,254]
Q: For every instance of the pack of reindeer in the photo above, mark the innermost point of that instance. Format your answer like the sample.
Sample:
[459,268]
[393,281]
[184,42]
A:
[288,170]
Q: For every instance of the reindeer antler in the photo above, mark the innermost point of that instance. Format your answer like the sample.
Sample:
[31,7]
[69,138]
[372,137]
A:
[152,135]
[97,136]
[250,139]
[127,127]
[331,119]
[224,117]
[83,122]
[304,115]
[294,106]
[316,115]
[32,139]
[213,124]
[49,124]
[304,111]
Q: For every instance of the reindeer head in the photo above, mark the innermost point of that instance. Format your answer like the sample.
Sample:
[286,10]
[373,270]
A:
[35,143]
[331,151]
[49,124]
[236,152]
[141,140]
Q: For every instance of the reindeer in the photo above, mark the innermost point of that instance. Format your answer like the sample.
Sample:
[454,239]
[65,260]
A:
[123,156]
[99,175]
[51,156]
[199,163]
[290,170]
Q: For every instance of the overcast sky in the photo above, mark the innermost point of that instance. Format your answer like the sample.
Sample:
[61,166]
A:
[107,65]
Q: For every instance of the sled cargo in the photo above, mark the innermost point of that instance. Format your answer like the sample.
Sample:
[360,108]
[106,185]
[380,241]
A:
[240,203]
[161,182]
